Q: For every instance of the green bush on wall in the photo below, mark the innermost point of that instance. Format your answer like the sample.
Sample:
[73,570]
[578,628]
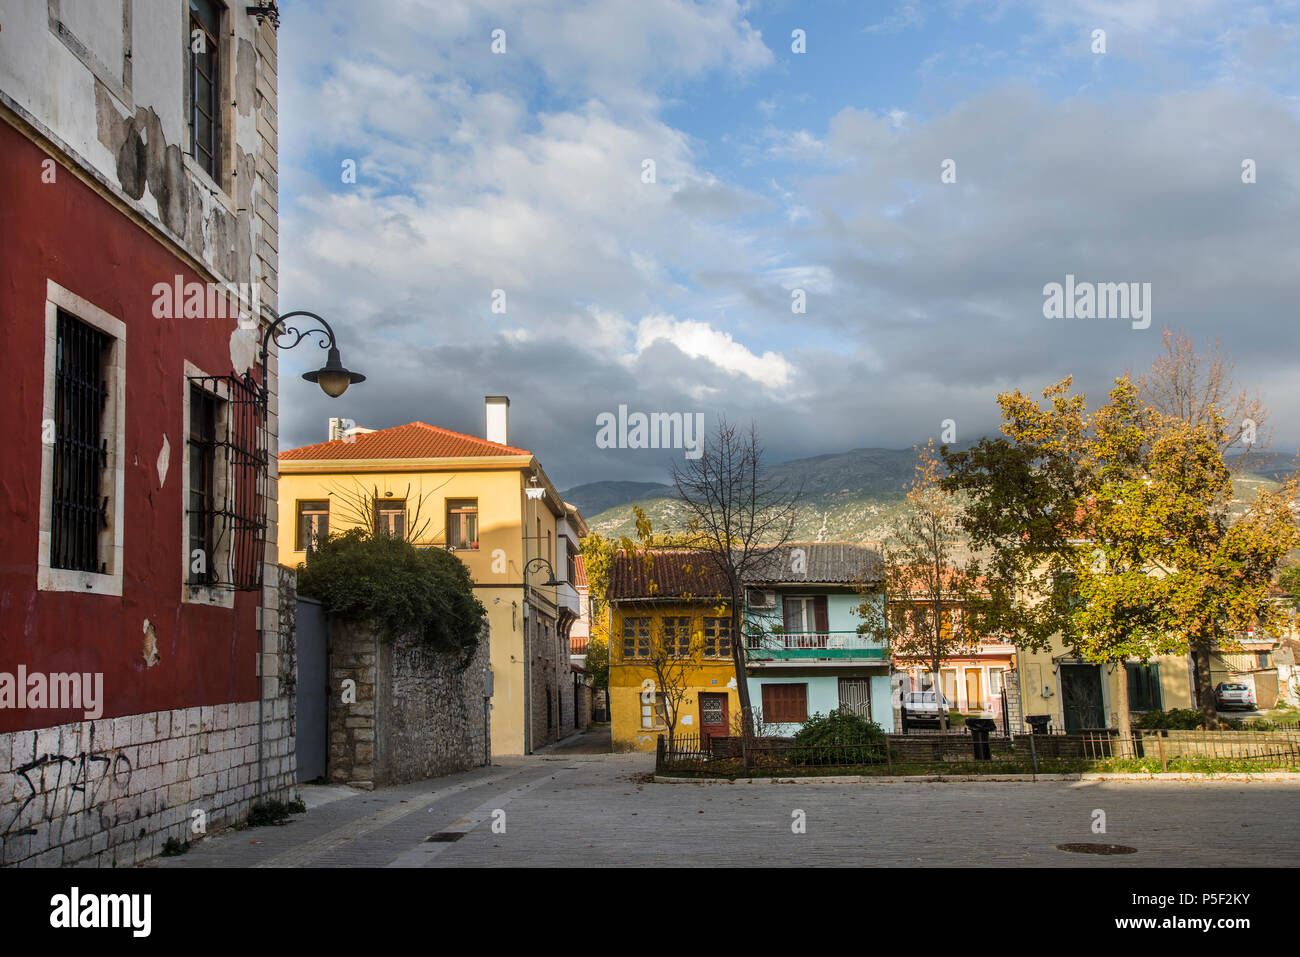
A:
[836,738]
[397,589]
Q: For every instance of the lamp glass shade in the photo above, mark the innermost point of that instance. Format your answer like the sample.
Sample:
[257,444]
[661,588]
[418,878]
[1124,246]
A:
[333,378]
[333,384]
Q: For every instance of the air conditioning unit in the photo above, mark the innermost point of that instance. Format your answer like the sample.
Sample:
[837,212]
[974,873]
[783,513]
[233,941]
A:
[761,599]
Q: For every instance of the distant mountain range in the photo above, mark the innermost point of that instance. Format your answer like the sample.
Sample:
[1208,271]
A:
[847,496]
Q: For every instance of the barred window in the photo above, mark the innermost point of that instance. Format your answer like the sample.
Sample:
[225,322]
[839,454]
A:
[462,523]
[202,440]
[79,502]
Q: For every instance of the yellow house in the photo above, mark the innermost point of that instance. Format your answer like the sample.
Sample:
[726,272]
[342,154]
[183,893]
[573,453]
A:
[481,498]
[668,602]
[1079,694]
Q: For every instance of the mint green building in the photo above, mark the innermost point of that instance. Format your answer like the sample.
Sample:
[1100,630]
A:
[803,651]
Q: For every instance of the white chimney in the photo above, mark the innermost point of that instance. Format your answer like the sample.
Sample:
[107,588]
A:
[336,429]
[498,419]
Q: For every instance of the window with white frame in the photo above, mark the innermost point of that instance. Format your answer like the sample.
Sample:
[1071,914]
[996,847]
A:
[83,434]
[652,711]
[390,517]
[995,681]
[206,63]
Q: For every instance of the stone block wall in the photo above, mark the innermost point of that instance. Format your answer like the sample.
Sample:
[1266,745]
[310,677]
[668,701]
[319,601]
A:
[111,792]
[415,715]
[546,677]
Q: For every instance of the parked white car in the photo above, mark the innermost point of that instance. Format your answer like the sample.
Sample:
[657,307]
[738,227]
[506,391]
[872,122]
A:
[924,706]
[1234,694]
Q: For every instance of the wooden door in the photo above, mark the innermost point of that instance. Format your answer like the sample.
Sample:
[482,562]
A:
[974,695]
[713,716]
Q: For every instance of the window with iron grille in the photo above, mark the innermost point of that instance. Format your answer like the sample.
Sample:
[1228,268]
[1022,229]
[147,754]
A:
[202,507]
[226,491]
[79,501]
[204,39]
[636,637]
[717,637]
[313,524]
[785,703]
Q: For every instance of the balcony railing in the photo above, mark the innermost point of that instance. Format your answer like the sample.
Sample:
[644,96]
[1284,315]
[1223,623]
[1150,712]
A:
[815,644]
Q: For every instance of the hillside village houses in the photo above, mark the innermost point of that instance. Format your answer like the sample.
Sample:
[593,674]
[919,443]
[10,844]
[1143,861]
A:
[493,506]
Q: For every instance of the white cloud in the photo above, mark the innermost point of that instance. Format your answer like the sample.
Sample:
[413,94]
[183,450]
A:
[699,340]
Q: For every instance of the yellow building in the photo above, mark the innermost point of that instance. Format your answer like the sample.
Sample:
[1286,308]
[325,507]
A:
[1080,694]
[668,602]
[481,498]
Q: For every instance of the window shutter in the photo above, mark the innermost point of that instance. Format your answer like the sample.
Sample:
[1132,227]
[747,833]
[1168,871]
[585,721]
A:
[820,614]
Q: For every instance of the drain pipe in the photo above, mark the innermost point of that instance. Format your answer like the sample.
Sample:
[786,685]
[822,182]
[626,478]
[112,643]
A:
[261,686]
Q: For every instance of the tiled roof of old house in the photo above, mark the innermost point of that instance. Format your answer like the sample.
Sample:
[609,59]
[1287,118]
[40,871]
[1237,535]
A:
[665,573]
[819,562]
[415,440]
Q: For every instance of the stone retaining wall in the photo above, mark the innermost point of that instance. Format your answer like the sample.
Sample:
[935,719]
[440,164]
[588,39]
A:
[408,714]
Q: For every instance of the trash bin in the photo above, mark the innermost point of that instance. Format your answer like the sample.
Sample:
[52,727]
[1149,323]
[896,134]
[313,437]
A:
[979,732]
[1038,722]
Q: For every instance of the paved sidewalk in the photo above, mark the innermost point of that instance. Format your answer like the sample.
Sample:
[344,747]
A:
[558,809]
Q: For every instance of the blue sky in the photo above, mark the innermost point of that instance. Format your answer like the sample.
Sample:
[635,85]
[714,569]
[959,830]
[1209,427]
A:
[778,171]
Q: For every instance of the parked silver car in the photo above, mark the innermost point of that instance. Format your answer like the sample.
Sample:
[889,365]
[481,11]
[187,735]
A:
[1234,694]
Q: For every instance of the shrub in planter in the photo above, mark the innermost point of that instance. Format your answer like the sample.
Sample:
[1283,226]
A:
[840,737]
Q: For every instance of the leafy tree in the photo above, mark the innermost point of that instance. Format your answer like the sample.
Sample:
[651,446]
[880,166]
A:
[1289,582]
[1178,570]
[924,582]
[598,661]
[1113,530]
[397,589]
[1020,496]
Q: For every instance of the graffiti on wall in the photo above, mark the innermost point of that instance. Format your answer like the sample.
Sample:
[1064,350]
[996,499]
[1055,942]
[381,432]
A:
[66,790]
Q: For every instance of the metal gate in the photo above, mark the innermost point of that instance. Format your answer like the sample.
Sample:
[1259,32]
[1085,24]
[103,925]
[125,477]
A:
[855,696]
[1081,701]
[313,689]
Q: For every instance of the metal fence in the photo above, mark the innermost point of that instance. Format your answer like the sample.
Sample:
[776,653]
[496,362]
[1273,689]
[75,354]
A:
[963,752]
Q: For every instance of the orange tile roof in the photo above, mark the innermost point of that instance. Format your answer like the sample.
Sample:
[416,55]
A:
[415,440]
[580,571]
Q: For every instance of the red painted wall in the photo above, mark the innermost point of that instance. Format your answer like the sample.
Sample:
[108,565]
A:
[66,232]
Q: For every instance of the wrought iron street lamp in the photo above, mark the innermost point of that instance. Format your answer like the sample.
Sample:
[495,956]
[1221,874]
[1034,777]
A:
[332,377]
[550,573]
